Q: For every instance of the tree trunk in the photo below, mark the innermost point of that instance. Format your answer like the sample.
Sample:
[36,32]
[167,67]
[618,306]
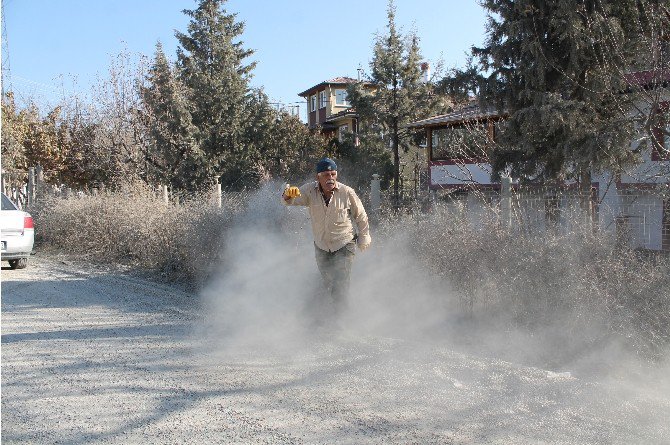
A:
[396,166]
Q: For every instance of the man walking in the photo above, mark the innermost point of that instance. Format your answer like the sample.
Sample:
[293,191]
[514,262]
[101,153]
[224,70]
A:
[332,208]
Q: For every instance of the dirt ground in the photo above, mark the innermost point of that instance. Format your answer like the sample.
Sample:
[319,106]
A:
[100,356]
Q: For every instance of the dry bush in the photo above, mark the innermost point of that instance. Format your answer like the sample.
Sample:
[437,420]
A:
[135,227]
[576,288]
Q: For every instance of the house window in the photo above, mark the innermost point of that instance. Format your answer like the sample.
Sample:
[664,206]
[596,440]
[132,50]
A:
[322,99]
[341,98]
[313,107]
[462,141]
[343,130]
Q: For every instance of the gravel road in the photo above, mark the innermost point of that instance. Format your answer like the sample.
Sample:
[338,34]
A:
[95,356]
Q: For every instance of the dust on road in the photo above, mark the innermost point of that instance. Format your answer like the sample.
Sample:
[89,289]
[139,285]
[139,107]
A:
[95,356]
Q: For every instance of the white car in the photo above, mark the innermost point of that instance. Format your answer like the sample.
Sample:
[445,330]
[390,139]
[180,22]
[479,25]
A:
[17,234]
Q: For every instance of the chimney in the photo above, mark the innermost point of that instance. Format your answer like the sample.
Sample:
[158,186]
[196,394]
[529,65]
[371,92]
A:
[425,72]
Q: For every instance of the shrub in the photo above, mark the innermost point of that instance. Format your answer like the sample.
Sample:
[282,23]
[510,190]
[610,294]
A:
[135,227]
[577,287]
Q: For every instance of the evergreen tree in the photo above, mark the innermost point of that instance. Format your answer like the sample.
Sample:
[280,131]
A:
[557,69]
[211,65]
[173,152]
[284,146]
[356,165]
[399,96]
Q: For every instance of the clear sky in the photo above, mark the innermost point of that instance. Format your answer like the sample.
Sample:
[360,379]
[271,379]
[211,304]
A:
[56,47]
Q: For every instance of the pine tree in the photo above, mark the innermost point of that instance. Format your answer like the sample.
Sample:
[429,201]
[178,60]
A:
[399,96]
[211,65]
[173,151]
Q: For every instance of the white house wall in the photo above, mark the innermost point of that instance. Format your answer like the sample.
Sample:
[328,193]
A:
[460,174]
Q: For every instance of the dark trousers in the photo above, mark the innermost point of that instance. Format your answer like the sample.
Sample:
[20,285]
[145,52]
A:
[335,268]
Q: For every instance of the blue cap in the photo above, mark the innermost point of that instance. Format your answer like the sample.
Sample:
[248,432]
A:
[326,164]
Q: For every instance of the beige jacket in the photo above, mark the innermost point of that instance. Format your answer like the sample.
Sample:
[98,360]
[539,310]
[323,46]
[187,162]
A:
[332,224]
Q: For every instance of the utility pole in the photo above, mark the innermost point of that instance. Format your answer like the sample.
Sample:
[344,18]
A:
[6,75]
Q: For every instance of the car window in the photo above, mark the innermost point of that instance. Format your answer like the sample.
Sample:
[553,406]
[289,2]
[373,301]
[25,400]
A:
[7,204]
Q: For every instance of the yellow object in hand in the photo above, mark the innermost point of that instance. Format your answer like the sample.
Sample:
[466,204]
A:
[292,192]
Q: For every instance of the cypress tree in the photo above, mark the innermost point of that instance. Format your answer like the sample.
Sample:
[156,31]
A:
[210,62]
[399,96]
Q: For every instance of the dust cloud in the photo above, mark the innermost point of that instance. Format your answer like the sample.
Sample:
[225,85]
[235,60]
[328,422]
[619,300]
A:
[267,297]
[267,293]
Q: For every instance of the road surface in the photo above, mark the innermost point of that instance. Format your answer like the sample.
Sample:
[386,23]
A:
[96,356]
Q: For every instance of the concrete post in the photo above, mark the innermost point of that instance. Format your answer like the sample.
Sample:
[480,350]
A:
[217,192]
[375,195]
[506,202]
[166,198]
[22,196]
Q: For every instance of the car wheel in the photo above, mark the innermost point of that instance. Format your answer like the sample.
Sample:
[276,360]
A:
[20,263]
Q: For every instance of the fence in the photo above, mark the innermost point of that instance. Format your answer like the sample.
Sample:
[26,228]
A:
[637,218]
[25,189]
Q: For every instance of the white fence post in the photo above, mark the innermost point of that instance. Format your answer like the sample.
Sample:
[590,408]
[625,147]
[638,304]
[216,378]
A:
[506,202]
[166,198]
[375,195]
[217,192]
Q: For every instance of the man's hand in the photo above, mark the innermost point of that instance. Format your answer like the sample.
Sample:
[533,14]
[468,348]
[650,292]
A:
[291,192]
[363,246]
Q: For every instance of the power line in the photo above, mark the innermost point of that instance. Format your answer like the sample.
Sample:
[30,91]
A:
[38,85]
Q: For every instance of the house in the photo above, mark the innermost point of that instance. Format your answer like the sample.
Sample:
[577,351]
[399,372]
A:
[457,145]
[636,203]
[328,109]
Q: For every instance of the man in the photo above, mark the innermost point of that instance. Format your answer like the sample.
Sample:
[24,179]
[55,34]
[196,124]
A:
[332,207]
